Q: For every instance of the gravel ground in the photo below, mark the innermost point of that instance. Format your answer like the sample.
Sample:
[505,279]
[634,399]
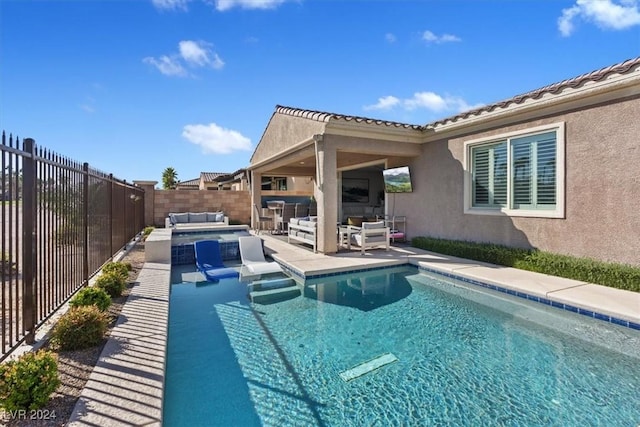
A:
[74,367]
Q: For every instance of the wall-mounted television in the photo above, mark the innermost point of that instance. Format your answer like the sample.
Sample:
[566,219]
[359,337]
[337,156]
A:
[397,180]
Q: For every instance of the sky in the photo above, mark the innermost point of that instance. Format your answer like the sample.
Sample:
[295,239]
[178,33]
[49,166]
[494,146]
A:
[135,86]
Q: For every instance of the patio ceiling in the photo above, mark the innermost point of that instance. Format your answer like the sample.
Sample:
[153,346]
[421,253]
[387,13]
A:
[304,163]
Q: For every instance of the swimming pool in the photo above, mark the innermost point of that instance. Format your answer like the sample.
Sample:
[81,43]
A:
[182,250]
[465,356]
[224,234]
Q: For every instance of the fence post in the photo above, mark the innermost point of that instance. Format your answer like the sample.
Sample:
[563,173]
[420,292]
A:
[111,214]
[28,237]
[85,223]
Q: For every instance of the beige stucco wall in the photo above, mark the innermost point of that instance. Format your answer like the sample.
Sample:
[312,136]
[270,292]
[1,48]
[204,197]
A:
[235,204]
[282,133]
[602,190]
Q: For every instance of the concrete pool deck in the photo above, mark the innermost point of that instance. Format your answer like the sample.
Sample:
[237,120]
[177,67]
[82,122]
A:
[126,386]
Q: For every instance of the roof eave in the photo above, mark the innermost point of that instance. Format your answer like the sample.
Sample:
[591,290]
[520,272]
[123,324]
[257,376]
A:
[374,130]
[613,87]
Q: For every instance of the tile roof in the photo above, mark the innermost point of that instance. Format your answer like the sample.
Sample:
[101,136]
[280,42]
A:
[556,88]
[323,116]
[621,68]
[190,183]
[226,178]
[211,176]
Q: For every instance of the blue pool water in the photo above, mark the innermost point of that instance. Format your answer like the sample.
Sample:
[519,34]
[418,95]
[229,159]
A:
[466,356]
[182,251]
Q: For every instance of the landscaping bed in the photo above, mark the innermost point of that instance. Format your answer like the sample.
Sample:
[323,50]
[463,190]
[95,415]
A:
[75,367]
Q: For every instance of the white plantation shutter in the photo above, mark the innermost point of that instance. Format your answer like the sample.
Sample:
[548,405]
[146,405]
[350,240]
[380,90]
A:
[533,182]
[481,176]
[546,171]
[526,179]
[500,174]
[521,174]
[490,175]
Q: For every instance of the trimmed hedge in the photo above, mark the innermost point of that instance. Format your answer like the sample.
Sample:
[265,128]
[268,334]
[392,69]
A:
[619,276]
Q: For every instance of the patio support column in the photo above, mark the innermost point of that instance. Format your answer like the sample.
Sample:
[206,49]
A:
[256,197]
[326,194]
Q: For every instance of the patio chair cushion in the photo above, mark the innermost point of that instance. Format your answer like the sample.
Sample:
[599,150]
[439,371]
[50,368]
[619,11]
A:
[355,221]
[197,217]
[179,218]
[215,216]
[296,221]
[373,225]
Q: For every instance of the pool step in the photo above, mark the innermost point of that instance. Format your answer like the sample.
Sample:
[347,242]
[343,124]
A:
[268,291]
[270,296]
[368,366]
[266,284]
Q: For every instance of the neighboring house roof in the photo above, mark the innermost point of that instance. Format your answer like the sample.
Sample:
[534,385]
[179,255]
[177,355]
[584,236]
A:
[233,176]
[211,176]
[189,183]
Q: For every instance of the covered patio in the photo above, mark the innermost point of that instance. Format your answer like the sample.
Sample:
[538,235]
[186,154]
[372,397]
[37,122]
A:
[328,147]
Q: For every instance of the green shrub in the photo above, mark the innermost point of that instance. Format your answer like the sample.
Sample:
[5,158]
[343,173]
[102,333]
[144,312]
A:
[91,296]
[495,254]
[80,327]
[608,274]
[147,231]
[120,268]
[112,283]
[27,382]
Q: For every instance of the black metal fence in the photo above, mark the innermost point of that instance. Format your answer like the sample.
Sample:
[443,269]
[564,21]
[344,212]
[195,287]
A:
[61,221]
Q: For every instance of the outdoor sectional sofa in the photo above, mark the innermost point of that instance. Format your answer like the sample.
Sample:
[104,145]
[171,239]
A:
[176,220]
[304,230]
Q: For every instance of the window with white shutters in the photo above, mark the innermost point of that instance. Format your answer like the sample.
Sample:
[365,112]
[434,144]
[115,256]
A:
[517,174]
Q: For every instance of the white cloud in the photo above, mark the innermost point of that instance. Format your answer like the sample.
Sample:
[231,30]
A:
[215,139]
[430,37]
[223,5]
[194,53]
[436,103]
[88,108]
[167,66]
[170,4]
[384,103]
[428,100]
[220,5]
[199,54]
[424,100]
[606,14]
[216,62]
[191,54]
[390,37]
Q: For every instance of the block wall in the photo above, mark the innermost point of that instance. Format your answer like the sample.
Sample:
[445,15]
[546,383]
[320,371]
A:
[235,204]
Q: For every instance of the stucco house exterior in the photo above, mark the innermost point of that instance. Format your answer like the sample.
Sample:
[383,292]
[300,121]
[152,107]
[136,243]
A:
[557,168]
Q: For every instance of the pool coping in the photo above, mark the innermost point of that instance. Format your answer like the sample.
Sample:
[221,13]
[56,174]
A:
[127,385]
[553,297]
